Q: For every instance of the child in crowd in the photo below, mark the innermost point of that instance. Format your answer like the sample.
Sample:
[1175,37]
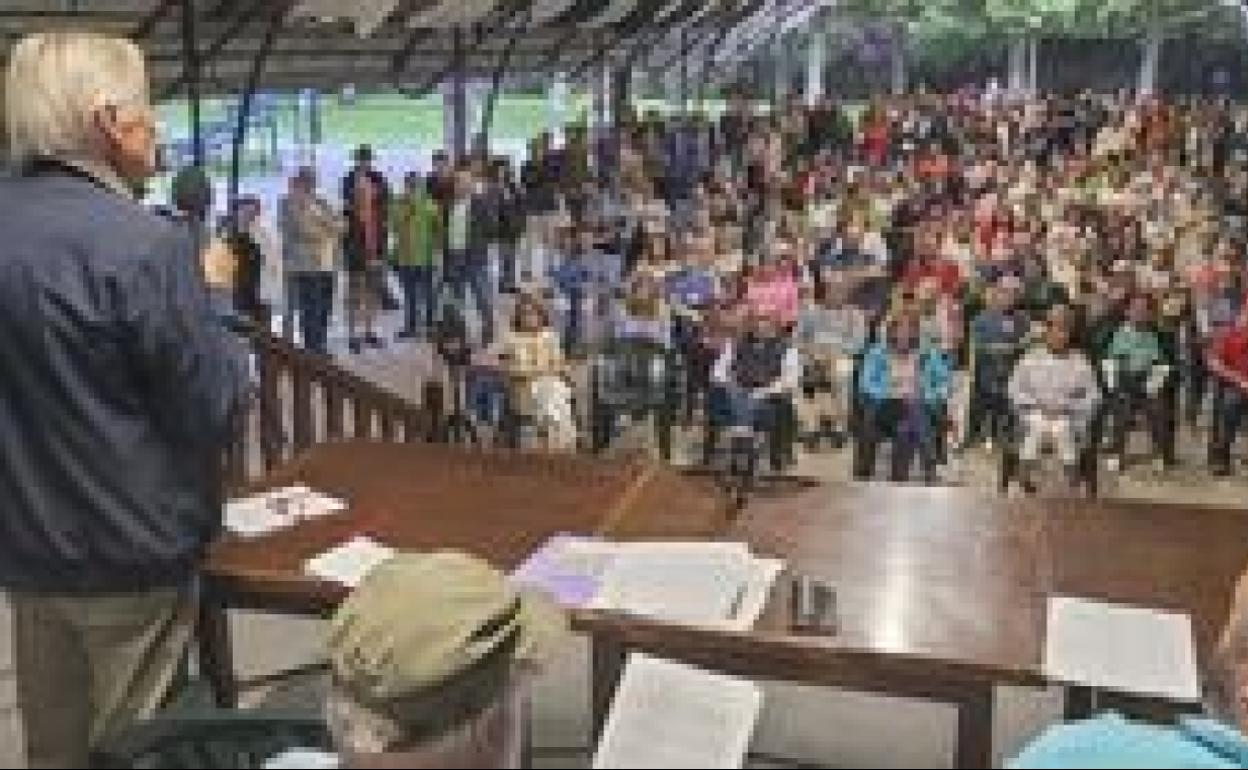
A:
[533,363]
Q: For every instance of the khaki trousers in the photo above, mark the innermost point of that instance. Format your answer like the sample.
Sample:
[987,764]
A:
[86,668]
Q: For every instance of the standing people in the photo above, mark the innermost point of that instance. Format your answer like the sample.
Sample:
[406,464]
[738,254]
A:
[249,262]
[121,391]
[366,198]
[509,201]
[311,232]
[416,220]
[469,228]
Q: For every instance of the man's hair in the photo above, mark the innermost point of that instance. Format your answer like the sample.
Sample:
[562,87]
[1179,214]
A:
[57,81]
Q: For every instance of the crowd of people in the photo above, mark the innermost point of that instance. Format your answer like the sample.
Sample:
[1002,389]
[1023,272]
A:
[937,271]
[1069,264]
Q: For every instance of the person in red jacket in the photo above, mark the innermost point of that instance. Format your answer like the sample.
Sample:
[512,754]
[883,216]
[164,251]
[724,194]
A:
[1228,362]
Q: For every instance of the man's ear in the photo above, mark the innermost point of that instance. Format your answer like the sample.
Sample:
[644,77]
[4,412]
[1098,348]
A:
[104,121]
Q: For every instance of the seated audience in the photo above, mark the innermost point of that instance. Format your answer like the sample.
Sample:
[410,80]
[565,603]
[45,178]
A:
[643,316]
[1228,362]
[1135,373]
[830,333]
[1054,393]
[903,387]
[997,337]
[533,362]
[759,372]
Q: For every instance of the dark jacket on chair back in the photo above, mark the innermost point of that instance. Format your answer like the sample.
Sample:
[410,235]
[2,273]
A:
[118,389]
[758,362]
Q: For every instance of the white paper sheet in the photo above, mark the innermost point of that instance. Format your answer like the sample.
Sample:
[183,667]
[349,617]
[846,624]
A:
[350,562]
[669,715]
[693,585]
[1125,649]
[278,509]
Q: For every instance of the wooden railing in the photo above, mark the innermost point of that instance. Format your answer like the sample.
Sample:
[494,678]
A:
[305,399]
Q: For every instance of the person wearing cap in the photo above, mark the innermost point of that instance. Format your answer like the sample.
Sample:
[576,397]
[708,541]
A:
[366,206]
[428,664]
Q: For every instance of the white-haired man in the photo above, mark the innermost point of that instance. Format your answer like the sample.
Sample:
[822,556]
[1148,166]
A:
[120,387]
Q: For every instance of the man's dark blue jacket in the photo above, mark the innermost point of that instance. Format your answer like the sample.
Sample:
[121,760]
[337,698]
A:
[118,390]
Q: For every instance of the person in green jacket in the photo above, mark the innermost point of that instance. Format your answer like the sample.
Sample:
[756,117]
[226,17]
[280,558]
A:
[1136,374]
[416,221]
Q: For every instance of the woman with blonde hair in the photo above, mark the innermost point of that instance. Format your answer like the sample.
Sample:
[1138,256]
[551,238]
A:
[532,360]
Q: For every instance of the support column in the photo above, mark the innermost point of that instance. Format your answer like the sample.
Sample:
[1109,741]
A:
[816,58]
[1016,81]
[1150,62]
[684,71]
[276,17]
[557,105]
[455,100]
[897,51]
[621,92]
[1033,65]
[602,97]
[779,71]
[192,72]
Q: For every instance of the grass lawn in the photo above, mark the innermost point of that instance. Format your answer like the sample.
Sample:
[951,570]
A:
[386,120]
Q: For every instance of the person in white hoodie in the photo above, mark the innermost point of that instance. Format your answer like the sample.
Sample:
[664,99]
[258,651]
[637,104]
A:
[1055,394]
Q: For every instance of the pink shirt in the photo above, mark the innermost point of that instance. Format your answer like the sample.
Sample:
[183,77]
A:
[775,297]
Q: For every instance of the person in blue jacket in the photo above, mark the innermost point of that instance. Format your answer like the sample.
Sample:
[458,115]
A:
[903,387]
[1213,739]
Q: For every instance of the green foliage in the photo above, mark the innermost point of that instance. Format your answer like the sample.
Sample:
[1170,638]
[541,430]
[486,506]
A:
[1077,18]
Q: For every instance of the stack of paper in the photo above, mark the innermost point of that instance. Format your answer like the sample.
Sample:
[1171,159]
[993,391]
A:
[1125,649]
[697,583]
[278,509]
[669,715]
[350,562]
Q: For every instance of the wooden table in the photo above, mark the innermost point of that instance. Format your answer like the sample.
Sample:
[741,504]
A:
[942,593]
[498,505]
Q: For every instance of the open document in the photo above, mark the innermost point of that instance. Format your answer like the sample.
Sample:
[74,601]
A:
[669,715]
[1126,649]
[705,583]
